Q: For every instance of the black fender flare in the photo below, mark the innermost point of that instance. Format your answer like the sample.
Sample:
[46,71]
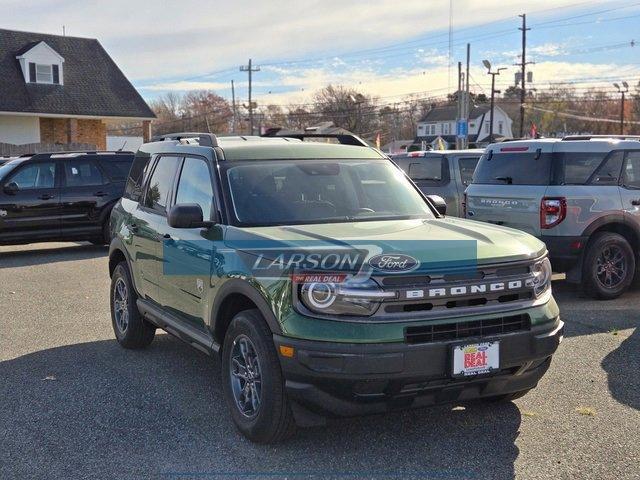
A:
[609,218]
[240,286]
[118,245]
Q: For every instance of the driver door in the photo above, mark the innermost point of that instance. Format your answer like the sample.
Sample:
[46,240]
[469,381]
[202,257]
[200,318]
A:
[30,203]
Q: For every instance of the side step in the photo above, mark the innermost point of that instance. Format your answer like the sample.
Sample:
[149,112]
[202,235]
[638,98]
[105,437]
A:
[203,341]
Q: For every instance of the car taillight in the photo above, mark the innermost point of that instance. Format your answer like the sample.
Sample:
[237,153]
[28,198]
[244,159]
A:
[552,211]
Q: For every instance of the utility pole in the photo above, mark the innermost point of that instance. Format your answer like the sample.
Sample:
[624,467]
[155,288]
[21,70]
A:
[523,65]
[233,107]
[623,92]
[249,69]
[467,99]
[459,116]
[487,64]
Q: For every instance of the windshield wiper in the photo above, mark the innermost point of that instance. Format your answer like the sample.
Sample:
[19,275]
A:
[507,180]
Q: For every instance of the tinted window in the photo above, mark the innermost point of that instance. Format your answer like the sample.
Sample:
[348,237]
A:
[631,174]
[160,183]
[514,168]
[80,173]
[194,185]
[308,191]
[577,168]
[138,175]
[118,170]
[428,169]
[609,172]
[37,175]
[467,167]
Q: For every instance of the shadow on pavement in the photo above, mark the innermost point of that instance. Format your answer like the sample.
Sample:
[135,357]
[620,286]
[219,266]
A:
[622,366]
[97,410]
[25,258]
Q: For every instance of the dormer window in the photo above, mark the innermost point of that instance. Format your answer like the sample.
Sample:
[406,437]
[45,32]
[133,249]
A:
[41,64]
[40,73]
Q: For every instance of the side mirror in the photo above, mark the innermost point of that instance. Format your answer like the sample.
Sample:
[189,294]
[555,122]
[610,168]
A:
[11,188]
[187,215]
[439,203]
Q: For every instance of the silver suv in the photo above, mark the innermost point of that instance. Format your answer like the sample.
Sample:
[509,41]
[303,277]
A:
[444,172]
[579,194]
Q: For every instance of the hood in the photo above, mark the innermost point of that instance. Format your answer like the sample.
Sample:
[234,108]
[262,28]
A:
[450,239]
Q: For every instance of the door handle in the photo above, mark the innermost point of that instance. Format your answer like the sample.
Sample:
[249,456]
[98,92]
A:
[101,194]
[45,196]
[635,202]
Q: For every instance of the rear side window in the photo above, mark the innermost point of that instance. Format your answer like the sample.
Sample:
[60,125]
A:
[609,172]
[632,170]
[432,170]
[467,167]
[138,174]
[160,183]
[514,168]
[577,167]
[34,176]
[80,173]
[117,170]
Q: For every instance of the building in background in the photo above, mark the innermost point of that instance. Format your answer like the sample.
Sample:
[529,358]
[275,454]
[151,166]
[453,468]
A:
[58,91]
[440,123]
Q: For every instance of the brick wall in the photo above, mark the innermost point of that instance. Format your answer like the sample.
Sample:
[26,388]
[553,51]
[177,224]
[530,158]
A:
[63,130]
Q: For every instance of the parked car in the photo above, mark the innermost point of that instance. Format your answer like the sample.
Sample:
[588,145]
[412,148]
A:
[441,172]
[60,196]
[222,243]
[580,195]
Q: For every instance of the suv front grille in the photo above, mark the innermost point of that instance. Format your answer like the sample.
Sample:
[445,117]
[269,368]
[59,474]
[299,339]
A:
[473,328]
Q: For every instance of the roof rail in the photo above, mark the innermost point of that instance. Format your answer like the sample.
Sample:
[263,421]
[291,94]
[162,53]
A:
[590,137]
[343,138]
[85,152]
[204,139]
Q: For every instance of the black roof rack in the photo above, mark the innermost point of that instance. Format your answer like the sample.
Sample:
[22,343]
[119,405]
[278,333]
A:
[589,137]
[204,139]
[343,138]
[42,155]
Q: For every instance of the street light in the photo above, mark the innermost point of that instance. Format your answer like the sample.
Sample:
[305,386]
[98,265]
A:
[622,91]
[493,74]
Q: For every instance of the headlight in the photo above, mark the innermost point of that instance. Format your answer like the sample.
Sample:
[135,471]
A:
[541,276]
[349,297]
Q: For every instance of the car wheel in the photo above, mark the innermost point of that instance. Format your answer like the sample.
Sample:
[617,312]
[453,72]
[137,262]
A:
[507,397]
[131,330]
[609,266]
[252,380]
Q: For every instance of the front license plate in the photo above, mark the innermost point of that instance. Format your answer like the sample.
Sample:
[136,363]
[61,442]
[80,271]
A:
[476,358]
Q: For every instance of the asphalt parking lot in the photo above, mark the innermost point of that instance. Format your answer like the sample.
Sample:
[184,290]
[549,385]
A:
[73,404]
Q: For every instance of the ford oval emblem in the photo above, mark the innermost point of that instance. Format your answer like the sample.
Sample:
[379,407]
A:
[393,262]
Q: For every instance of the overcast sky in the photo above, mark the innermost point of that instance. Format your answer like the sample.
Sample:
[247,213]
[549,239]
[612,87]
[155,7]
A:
[387,48]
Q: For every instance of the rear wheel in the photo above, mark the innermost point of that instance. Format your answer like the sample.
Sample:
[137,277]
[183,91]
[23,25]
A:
[609,266]
[131,330]
[252,380]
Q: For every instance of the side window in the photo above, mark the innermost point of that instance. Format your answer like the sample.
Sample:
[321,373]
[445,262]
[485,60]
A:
[195,186]
[82,173]
[631,174]
[37,175]
[138,174]
[578,167]
[467,166]
[609,171]
[428,169]
[118,170]
[160,183]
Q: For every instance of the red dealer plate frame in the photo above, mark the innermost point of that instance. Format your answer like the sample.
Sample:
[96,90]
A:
[471,359]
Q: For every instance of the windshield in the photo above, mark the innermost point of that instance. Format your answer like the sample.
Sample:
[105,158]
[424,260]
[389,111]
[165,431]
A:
[514,169]
[277,192]
[7,167]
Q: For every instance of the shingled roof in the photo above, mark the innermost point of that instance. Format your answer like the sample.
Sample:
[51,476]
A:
[450,112]
[93,83]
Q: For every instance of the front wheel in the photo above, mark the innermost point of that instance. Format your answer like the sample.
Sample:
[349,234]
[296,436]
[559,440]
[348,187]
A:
[609,266]
[252,380]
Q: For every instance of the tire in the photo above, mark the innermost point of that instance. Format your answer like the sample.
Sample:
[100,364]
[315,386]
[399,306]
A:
[507,397]
[131,330]
[269,420]
[600,266]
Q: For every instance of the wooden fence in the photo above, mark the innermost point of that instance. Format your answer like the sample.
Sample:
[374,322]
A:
[8,149]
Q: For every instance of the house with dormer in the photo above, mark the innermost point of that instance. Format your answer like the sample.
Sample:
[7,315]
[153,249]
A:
[59,90]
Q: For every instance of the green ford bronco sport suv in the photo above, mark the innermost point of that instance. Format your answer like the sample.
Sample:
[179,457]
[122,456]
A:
[327,283]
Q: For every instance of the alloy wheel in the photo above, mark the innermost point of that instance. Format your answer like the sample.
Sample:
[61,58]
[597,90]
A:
[121,305]
[611,266]
[246,379]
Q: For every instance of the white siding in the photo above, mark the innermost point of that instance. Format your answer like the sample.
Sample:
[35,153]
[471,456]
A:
[19,130]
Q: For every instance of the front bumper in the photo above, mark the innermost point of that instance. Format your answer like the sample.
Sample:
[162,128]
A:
[333,379]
